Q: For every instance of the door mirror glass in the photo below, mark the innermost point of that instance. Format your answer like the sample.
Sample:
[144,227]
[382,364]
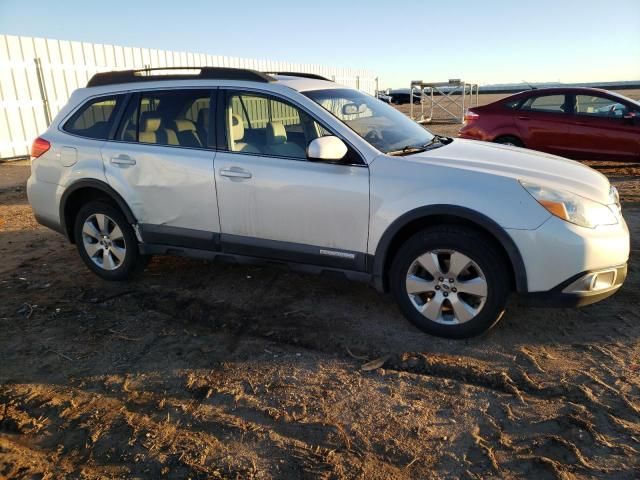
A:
[630,116]
[329,148]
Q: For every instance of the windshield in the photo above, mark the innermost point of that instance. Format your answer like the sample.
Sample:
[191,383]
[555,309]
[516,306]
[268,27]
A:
[381,125]
[622,97]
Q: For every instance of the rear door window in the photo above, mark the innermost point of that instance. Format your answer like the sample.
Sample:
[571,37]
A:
[169,117]
[95,118]
[546,103]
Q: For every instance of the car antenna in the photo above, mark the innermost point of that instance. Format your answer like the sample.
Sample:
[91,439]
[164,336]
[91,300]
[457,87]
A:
[529,85]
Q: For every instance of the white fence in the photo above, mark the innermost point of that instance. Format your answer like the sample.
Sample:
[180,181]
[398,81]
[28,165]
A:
[37,76]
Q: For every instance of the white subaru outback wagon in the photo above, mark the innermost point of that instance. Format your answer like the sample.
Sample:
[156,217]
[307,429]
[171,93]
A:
[294,168]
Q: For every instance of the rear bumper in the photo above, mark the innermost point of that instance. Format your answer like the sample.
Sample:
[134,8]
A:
[473,132]
[582,289]
[44,200]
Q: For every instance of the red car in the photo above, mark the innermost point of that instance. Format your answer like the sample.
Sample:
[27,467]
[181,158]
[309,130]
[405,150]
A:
[579,123]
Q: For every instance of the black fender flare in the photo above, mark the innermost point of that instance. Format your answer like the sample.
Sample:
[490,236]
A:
[96,185]
[484,222]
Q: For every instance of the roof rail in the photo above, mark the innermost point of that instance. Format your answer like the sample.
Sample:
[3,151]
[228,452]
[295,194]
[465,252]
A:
[208,73]
[300,74]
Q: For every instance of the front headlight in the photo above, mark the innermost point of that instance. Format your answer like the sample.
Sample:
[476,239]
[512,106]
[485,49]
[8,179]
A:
[571,207]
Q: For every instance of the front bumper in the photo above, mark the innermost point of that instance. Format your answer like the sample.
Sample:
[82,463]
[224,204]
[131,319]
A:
[558,251]
[582,289]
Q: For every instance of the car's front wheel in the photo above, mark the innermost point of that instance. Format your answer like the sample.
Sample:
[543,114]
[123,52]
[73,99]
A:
[509,140]
[450,281]
[106,241]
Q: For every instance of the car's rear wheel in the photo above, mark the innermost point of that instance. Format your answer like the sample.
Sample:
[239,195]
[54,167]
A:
[106,241]
[509,140]
[450,281]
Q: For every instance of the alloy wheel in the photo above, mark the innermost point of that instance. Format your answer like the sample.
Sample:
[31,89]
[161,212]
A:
[103,241]
[446,286]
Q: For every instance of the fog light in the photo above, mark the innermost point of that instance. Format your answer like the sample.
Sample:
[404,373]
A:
[593,282]
[603,280]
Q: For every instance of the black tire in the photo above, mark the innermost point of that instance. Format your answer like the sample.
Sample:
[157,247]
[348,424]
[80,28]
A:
[132,262]
[509,140]
[474,245]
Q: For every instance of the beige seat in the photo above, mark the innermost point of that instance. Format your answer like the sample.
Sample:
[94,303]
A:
[277,142]
[236,135]
[202,124]
[187,133]
[153,131]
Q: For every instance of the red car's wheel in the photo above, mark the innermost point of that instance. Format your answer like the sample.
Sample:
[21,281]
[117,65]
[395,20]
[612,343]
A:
[509,140]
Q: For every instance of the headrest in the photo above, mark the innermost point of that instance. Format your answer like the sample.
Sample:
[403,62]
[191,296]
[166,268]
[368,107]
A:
[276,134]
[237,128]
[184,125]
[203,117]
[149,122]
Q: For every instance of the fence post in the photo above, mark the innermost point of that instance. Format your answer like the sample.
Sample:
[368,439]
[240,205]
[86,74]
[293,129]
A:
[358,82]
[43,91]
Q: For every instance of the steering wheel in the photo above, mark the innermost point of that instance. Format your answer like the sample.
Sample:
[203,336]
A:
[373,136]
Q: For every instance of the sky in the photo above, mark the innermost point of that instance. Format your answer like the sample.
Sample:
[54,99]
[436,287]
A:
[493,41]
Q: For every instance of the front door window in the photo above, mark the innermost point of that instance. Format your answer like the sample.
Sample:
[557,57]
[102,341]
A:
[603,107]
[263,125]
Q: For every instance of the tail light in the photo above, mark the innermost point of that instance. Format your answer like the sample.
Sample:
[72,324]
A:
[38,147]
[471,116]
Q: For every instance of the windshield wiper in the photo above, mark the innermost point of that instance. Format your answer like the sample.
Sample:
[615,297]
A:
[410,149]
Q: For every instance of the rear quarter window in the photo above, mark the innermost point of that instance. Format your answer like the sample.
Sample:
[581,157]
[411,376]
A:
[95,118]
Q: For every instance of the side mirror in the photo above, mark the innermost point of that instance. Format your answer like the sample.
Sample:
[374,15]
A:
[328,149]
[630,117]
[353,109]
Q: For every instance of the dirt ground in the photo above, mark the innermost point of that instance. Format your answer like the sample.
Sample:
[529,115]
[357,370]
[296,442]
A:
[201,370]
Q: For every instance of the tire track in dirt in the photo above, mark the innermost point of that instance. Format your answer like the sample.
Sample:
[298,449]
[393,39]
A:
[553,443]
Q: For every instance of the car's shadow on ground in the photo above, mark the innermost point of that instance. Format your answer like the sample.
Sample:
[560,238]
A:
[325,314]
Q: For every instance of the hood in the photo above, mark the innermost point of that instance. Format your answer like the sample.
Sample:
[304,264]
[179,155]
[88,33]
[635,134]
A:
[520,164]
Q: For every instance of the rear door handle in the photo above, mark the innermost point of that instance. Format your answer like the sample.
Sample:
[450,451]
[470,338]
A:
[234,172]
[123,161]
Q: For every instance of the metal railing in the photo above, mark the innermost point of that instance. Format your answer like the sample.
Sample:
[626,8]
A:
[453,99]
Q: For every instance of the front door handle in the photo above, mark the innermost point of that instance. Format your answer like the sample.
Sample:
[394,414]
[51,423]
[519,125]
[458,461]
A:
[123,161]
[234,172]
[524,118]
